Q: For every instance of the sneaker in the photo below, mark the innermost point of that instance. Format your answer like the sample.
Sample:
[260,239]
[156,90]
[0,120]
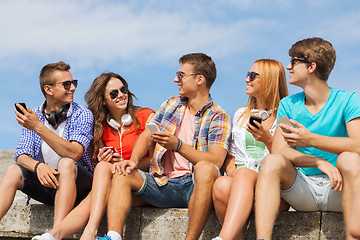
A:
[105,237]
[217,238]
[45,236]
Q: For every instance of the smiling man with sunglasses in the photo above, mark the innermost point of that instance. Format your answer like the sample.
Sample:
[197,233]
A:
[191,145]
[53,155]
[315,164]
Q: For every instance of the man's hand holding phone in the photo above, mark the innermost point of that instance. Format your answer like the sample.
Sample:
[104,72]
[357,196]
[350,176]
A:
[294,133]
[27,117]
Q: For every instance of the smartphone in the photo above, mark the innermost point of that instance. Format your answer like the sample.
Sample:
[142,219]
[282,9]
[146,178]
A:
[255,118]
[285,120]
[153,127]
[112,149]
[18,109]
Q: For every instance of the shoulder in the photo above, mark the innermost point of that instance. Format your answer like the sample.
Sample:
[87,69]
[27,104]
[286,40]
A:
[343,95]
[239,111]
[217,112]
[143,114]
[80,110]
[173,100]
[294,98]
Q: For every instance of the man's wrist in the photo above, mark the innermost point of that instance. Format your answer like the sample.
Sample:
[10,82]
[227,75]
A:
[178,147]
[36,166]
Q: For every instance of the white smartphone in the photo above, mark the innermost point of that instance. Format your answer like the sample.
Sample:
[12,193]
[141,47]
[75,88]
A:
[153,127]
[285,120]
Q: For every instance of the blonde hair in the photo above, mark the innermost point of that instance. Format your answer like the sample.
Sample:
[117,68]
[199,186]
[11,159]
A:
[273,87]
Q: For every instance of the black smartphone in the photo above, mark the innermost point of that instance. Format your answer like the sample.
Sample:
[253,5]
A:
[18,109]
[255,118]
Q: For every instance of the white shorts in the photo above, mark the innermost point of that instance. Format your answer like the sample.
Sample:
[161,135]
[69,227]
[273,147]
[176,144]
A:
[312,193]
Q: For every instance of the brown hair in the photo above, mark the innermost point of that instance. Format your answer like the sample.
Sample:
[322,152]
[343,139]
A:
[95,100]
[202,64]
[316,50]
[46,73]
[273,86]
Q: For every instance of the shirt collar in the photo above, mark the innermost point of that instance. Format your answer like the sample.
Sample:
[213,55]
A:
[184,100]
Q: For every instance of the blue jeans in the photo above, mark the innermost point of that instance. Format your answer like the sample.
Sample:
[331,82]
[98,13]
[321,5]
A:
[34,189]
[176,193]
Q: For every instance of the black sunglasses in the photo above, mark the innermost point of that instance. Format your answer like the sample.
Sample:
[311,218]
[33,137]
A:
[67,84]
[115,93]
[294,60]
[252,75]
[180,75]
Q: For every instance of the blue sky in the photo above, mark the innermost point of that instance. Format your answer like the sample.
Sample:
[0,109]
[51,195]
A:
[143,40]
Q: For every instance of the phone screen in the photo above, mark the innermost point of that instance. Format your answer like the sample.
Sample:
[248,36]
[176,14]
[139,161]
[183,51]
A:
[18,109]
[255,118]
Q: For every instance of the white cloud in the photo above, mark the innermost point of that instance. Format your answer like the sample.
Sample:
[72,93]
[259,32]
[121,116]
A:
[94,32]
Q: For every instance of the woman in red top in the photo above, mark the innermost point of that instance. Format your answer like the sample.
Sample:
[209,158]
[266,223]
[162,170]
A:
[117,124]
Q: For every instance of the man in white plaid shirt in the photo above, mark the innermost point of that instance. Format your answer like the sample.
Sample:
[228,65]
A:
[53,155]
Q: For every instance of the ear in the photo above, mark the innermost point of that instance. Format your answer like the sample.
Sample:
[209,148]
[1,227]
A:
[312,67]
[48,90]
[200,80]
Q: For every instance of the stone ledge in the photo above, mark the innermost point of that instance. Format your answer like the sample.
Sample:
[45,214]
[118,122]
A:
[156,223]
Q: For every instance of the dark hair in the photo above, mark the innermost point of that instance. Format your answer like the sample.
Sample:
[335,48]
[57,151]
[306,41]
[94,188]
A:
[95,101]
[202,64]
[46,73]
[316,50]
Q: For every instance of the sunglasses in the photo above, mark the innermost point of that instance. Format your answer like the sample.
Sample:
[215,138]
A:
[180,75]
[294,60]
[67,84]
[115,93]
[252,75]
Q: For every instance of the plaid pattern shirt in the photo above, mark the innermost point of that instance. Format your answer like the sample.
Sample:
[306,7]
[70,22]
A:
[79,128]
[212,128]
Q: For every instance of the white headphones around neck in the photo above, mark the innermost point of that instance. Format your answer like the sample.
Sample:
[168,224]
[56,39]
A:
[126,120]
[264,114]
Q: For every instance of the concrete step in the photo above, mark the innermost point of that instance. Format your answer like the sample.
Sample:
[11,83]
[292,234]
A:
[23,222]
[156,223]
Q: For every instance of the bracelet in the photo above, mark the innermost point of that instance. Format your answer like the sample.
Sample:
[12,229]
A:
[36,166]
[178,146]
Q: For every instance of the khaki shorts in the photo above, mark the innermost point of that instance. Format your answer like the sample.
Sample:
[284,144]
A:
[312,193]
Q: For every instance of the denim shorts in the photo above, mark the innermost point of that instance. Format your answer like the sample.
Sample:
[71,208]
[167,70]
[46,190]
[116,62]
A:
[176,193]
[312,193]
[34,189]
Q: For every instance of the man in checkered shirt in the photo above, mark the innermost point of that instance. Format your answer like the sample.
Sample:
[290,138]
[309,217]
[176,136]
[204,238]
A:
[53,155]
[190,148]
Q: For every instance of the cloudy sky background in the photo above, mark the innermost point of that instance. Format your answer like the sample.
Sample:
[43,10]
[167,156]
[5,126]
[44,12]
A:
[143,40]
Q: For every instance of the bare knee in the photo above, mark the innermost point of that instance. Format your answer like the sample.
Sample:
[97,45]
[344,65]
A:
[205,173]
[349,164]
[67,166]
[273,163]
[103,168]
[13,176]
[222,188]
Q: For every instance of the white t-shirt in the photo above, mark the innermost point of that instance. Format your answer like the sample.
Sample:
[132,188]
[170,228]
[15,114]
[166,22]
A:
[49,156]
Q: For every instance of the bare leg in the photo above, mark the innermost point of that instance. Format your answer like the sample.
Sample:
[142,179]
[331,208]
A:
[354,223]
[99,197]
[66,192]
[276,173]
[221,195]
[200,202]
[11,181]
[349,165]
[240,204]
[74,222]
[120,199]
